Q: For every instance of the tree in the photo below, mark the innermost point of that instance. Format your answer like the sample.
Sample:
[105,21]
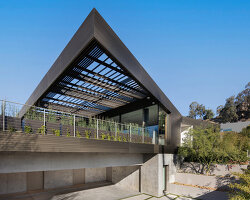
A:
[201,145]
[209,114]
[193,109]
[229,112]
[208,146]
[219,109]
[201,111]
[242,102]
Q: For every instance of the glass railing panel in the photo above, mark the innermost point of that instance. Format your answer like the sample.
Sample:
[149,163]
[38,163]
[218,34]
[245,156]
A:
[44,121]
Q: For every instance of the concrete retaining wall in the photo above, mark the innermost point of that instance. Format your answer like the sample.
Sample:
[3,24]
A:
[216,169]
[202,180]
[28,181]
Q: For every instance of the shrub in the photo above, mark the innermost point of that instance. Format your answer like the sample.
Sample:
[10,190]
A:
[103,136]
[27,129]
[124,139]
[41,130]
[87,134]
[241,191]
[208,146]
[68,133]
[119,138]
[11,129]
[78,134]
[56,132]
[109,137]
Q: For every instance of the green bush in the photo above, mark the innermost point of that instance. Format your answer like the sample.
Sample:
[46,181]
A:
[78,134]
[56,132]
[27,129]
[87,134]
[208,146]
[103,136]
[241,191]
[41,130]
[68,133]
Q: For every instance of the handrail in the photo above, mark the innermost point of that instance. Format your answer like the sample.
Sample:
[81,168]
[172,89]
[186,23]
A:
[46,116]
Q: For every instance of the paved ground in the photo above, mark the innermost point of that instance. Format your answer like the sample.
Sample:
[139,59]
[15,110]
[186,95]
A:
[112,192]
[107,191]
[148,197]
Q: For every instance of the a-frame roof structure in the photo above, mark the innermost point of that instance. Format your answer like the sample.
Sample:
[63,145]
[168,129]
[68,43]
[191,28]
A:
[96,73]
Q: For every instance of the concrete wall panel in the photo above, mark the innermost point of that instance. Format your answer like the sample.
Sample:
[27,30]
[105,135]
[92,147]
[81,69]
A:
[78,176]
[4,184]
[12,183]
[127,177]
[95,175]
[56,179]
[150,176]
[34,181]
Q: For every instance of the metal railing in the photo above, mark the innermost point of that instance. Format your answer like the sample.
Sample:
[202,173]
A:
[45,121]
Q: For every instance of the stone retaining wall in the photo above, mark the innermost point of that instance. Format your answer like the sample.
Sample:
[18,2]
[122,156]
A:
[216,169]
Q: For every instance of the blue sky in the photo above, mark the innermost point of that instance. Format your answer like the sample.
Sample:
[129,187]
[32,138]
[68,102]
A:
[194,50]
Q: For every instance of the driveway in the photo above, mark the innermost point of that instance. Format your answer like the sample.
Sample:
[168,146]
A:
[112,192]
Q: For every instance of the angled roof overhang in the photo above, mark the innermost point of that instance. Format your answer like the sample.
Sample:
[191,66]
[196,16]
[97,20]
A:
[95,73]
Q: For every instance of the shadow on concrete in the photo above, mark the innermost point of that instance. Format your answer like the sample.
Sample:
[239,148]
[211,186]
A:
[62,193]
[214,195]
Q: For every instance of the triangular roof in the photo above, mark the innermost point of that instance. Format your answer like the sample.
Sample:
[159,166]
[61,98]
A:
[96,33]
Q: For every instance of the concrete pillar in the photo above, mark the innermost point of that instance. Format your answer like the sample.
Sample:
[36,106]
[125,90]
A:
[152,176]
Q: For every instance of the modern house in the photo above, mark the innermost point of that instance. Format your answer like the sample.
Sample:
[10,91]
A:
[96,117]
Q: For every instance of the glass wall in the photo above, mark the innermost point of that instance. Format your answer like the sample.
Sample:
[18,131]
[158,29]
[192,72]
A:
[164,126]
[155,119]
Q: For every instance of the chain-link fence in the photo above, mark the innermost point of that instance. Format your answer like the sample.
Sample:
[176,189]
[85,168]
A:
[43,121]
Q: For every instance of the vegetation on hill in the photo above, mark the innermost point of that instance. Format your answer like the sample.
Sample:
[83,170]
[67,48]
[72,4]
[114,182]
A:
[235,109]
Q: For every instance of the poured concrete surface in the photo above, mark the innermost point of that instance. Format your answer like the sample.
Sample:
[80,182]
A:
[111,192]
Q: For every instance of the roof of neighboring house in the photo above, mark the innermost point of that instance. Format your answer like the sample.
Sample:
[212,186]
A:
[197,122]
[236,126]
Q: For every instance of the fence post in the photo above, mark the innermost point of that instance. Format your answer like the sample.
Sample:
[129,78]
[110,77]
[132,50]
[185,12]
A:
[143,135]
[115,130]
[74,125]
[44,120]
[97,136]
[3,113]
[154,138]
[130,132]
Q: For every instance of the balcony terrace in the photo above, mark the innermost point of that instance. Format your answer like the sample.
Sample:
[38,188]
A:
[46,130]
